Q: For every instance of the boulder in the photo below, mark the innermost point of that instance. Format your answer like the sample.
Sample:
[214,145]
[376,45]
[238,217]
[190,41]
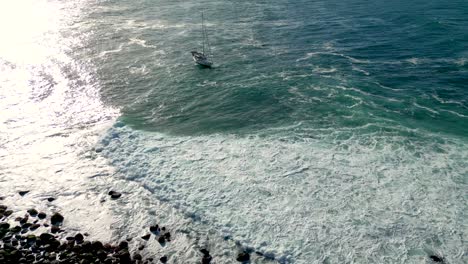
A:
[243,257]
[32,212]
[56,219]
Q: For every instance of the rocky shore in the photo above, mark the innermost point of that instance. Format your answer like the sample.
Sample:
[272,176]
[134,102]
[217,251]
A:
[41,237]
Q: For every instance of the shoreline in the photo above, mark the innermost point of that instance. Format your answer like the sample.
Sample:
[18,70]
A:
[32,236]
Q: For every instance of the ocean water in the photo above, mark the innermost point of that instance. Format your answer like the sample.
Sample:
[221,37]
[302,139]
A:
[327,131]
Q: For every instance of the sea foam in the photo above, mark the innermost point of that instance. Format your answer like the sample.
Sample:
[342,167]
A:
[375,198]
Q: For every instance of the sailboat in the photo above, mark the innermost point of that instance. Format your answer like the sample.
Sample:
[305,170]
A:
[203,58]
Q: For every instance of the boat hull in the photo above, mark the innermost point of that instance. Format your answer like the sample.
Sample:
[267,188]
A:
[201,59]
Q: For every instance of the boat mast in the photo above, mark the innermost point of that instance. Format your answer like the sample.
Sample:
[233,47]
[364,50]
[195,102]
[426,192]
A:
[203,32]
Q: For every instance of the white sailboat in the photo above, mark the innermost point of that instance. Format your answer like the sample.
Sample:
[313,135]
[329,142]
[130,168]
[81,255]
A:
[203,58]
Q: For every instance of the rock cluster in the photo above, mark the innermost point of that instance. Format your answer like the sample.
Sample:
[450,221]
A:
[19,246]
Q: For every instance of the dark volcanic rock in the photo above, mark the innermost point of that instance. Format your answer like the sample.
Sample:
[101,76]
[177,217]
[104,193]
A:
[114,194]
[206,256]
[123,256]
[146,237]
[97,245]
[41,215]
[4,225]
[154,229]
[32,212]
[161,240]
[243,257]
[79,238]
[34,227]
[206,259]
[141,247]
[26,225]
[56,219]
[137,257]
[163,259]
[22,193]
[436,258]
[51,199]
[123,245]
[15,229]
[46,237]
[167,236]
[7,212]
[54,229]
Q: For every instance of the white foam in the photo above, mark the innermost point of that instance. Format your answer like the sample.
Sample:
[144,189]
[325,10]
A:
[426,108]
[370,198]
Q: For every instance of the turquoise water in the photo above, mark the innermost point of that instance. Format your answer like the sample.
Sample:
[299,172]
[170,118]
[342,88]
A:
[327,131]
[282,63]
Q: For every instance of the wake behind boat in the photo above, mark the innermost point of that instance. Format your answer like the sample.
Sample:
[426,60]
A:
[203,58]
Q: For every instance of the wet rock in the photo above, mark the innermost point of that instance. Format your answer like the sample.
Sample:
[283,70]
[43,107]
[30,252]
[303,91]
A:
[56,219]
[31,239]
[30,258]
[137,257]
[79,238]
[123,256]
[15,229]
[97,245]
[46,237]
[161,240]
[163,259]
[123,245]
[55,229]
[32,212]
[3,207]
[24,220]
[207,259]
[114,194]
[41,215]
[167,236]
[6,239]
[108,247]
[4,225]
[23,193]
[146,237]
[51,199]
[7,212]
[436,258]
[101,255]
[155,229]
[26,225]
[243,257]
[86,246]
[34,227]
